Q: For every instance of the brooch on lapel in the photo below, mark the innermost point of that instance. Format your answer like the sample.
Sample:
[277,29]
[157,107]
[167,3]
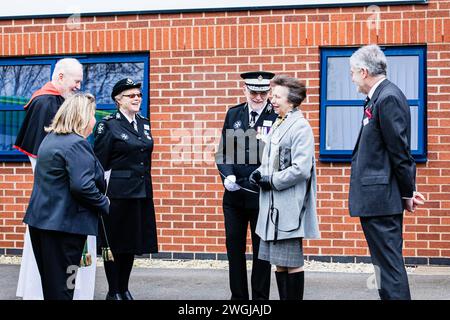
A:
[124,136]
[368,113]
[237,124]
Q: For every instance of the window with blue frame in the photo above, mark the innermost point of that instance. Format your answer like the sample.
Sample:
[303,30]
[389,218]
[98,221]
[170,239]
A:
[341,105]
[20,77]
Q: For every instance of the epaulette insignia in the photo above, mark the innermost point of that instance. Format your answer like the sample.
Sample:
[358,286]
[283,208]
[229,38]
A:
[141,116]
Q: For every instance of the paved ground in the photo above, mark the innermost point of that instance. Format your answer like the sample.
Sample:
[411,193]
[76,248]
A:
[212,284]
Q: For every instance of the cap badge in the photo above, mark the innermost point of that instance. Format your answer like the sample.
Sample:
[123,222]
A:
[260,78]
[129,81]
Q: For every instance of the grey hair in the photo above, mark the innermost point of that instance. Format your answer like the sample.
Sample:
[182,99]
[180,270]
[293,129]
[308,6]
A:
[65,66]
[370,58]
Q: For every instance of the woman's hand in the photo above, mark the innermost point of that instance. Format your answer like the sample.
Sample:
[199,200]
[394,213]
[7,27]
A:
[265,183]
[255,177]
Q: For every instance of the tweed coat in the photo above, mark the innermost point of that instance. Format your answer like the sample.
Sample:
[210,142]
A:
[294,187]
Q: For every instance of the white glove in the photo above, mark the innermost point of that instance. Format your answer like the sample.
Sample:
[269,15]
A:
[230,183]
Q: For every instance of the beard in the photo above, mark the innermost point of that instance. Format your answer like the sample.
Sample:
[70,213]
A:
[256,106]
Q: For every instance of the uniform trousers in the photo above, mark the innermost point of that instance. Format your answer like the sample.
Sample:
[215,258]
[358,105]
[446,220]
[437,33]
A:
[57,256]
[236,226]
[385,241]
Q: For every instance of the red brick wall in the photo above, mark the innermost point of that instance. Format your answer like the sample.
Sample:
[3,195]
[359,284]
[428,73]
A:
[195,62]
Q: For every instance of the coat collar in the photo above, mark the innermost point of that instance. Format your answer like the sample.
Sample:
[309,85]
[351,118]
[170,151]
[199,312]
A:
[127,125]
[380,87]
[284,127]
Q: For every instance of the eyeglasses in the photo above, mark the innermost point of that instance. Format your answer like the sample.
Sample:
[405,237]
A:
[262,93]
[133,95]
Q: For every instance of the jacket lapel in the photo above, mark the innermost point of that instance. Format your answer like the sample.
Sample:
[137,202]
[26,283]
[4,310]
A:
[244,117]
[372,102]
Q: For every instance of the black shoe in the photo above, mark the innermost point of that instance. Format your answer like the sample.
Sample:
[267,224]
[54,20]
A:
[127,295]
[113,296]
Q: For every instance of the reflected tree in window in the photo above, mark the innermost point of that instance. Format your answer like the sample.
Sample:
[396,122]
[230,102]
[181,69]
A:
[17,83]
[99,78]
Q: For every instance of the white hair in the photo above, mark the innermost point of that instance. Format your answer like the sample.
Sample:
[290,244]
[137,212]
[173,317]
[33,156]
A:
[65,66]
[370,58]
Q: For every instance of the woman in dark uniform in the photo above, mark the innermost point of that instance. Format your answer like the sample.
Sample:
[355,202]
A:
[124,145]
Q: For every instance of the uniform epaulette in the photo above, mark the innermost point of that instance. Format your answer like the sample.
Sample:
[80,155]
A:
[140,116]
[238,105]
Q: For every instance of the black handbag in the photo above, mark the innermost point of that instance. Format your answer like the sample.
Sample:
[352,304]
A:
[284,158]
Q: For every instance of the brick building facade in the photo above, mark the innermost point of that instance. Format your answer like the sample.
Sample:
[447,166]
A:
[194,64]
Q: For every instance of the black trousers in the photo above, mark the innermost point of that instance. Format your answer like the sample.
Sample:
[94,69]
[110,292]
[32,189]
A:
[58,256]
[236,226]
[385,241]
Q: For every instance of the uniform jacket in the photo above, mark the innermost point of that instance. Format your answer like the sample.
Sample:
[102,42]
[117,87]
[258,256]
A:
[289,158]
[127,154]
[39,114]
[383,170]
[68,187]
[245,154]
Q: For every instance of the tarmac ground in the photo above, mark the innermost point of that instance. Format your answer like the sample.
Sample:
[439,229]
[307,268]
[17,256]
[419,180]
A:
[426,283]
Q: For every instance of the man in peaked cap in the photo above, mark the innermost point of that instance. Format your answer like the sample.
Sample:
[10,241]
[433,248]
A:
[257,81]
[243,126]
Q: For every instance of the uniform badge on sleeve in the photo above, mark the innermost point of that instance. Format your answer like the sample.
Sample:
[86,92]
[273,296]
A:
[100,128]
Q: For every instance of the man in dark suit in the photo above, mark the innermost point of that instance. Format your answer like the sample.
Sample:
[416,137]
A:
[238,156]
[383,175]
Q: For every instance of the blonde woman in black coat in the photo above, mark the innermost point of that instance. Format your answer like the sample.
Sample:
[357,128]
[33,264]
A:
[67,196]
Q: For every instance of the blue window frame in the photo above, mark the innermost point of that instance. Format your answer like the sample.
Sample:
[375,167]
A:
[20,77]
[341,106]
